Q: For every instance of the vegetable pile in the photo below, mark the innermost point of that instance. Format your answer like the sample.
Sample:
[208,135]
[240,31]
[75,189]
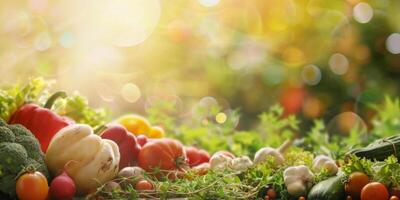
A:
[62,149]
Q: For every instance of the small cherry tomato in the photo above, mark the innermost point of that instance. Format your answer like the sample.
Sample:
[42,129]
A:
[32,186]
[394,198]
[271,193]
[355,183]
[302,198]
[143,185]
[374,191]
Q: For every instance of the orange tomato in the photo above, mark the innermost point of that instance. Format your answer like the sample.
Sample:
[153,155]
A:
[143,185]
[135,124]
[394,198]
[156,132]
[302,198]
[32,186]
[374,191]
[356,181]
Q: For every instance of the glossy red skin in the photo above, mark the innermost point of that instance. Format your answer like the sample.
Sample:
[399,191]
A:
[142,139]
[197,156]
[165,154]
[128,146]
[62,187]
[226,153]
[143,185]
[42,122]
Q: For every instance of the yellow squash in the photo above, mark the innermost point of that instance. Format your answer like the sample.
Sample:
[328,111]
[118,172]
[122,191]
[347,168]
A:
[87,158]
[135,124]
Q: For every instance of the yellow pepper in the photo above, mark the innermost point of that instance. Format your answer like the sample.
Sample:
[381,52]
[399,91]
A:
[156,132]
[135,124]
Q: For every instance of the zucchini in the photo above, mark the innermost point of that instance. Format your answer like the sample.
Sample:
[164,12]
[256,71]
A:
[329,189]
[379,149]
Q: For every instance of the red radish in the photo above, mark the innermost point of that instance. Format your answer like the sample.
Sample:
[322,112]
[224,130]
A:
[142,139]
[62,187]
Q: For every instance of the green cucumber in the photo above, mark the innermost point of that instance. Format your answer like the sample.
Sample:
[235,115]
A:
[329,189]
[379,149]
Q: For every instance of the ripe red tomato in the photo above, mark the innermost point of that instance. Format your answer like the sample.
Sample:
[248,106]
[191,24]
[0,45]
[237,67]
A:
[356,182]
[164,154]
[394,198]
[271,193]
[143,185]
[32,186]
[197,156]
[374,191]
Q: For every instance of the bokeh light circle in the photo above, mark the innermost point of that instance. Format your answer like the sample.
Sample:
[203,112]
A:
[130,92]
[338,63]
[105,91]
[363,12]
[220,118]
[43,41]
[312,107]
[344,122]
[67,40]
[393,43]
[208,102]
[19,23]
[311,75]
[122,23]
[132,21]
[274,74]
[208,3]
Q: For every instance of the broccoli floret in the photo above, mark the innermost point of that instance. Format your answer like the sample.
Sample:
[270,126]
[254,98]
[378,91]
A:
[18,150]
[13,157]
[6,135]
[19,130]
[7,185]
[31,146]
[2,122]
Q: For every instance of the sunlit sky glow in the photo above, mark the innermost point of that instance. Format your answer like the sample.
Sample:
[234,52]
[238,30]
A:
[129,54]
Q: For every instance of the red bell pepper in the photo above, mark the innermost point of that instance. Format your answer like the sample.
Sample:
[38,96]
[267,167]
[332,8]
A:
[42,122]
[128,145]
[197,156]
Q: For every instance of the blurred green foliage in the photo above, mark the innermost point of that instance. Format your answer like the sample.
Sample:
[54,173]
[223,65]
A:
[316,58]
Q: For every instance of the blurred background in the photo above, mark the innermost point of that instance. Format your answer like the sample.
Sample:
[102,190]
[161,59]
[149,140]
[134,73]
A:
[317,58]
